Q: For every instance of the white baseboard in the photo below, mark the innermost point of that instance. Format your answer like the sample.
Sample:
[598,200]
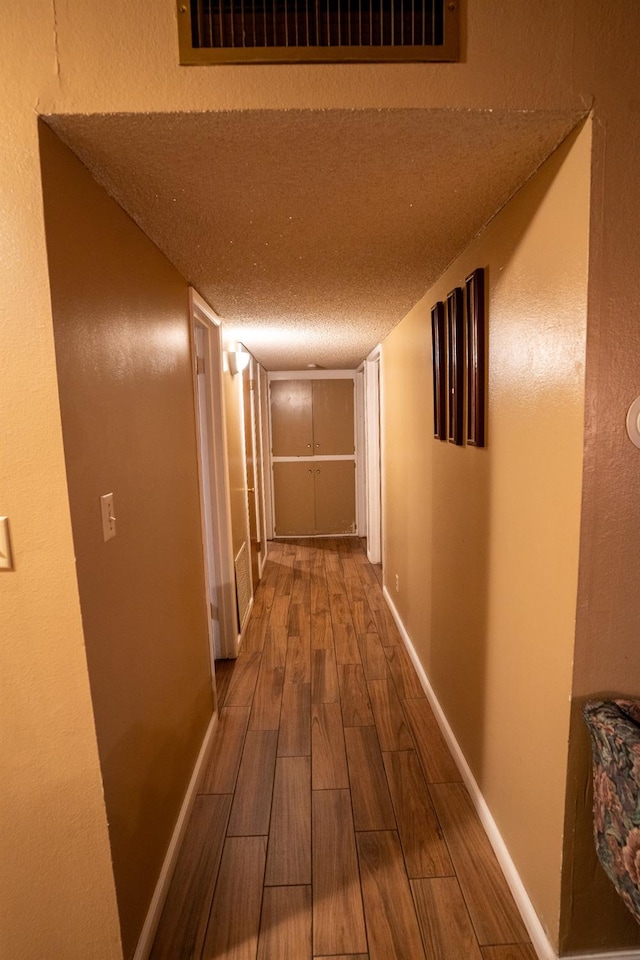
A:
[265,557]
[619,955]
[539,939]
[152,920]
[244,627]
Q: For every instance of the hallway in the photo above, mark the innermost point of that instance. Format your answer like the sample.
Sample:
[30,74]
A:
[330,821]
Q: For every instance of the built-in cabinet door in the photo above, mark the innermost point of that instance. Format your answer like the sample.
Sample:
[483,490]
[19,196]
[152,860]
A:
[312,418]
[294,498]
[291,418]
[332,417]
[314,497]
[335,496]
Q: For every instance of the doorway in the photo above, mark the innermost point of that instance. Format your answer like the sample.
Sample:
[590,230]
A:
[214,481]
[314,456]
[205,443]
[254,470]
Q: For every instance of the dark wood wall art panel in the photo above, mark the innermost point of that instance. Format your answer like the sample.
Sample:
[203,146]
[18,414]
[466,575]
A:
[439,352]
[455,331]
[475,358]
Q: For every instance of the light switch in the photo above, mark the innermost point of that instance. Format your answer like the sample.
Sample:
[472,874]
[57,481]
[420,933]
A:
[108,516]
[6,558]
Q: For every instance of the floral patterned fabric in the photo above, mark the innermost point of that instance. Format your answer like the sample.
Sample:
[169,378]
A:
[615,741]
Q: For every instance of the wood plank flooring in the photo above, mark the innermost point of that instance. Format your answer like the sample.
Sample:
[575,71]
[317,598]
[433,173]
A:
[331,822]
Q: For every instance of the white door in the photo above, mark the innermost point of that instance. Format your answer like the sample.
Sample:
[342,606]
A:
[209,532]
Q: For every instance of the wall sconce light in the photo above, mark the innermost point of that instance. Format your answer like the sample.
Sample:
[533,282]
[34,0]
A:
[238,360]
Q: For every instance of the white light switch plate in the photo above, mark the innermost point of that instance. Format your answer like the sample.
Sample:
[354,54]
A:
[108,516]
[6,559]
[633,422]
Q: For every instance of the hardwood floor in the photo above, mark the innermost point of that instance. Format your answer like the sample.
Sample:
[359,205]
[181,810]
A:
[331,823]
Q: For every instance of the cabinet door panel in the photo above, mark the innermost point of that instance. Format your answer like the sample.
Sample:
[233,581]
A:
[291,418]
[333,417]
[293,495]
[335,489]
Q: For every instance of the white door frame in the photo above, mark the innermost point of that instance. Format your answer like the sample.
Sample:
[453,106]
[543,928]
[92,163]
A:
[359,436]
[373,444]
[204,435]
[263,450]
[265,420]
[253,441]
[203,317]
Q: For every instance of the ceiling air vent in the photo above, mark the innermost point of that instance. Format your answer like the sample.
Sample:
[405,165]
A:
[313,31]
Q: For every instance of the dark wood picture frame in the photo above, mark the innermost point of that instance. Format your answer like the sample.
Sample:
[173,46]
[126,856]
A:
[476,374]
[455,332]
[439,352]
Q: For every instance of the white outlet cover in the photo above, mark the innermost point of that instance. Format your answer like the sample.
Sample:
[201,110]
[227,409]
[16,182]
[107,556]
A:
[633,422]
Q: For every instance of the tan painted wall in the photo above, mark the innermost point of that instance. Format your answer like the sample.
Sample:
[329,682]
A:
[608,622]
[57,892]
[485,542]
[137,69]
[122,333]
[118,58]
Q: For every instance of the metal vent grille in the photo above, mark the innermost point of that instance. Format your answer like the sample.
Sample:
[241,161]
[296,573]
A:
[234,31]
[243,584]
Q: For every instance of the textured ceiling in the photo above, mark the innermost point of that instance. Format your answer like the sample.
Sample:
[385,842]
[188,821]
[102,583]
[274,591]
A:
[312,233]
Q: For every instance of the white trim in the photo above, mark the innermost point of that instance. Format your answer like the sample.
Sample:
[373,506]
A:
[539,939]
[265,415]
[315,536]
[202,313]
[204,439]
[145,942]
[620,955]
[312,375]
[260,469]
[360,455]
[356,457]
[239,381]
[200,306]
[317,456]
[253,442]
[383,475]
[372,429]
[245,624]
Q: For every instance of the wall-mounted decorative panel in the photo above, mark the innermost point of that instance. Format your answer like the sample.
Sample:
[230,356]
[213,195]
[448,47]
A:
[475,358]
[439,353]
[459,364]
[455,331]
